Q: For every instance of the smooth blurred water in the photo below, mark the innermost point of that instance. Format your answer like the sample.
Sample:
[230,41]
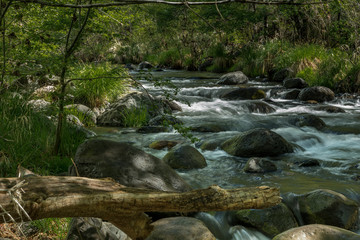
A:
[337,147]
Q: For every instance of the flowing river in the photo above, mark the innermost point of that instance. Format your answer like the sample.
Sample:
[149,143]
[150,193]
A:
[336,147]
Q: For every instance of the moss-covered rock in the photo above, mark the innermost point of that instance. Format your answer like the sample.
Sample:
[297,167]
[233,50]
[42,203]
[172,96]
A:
[270,221]
[257,143]
[163,144]
[185,157]
[318,93]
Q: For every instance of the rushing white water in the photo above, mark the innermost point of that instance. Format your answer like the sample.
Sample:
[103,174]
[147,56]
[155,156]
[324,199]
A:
[336,147]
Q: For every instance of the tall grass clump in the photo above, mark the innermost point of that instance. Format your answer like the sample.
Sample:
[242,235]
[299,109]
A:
[93,84]
[221,61]
[27,138]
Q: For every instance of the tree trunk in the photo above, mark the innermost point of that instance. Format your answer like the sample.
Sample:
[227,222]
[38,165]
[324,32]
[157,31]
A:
[44,197]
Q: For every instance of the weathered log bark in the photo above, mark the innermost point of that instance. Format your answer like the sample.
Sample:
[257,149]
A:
[43,197]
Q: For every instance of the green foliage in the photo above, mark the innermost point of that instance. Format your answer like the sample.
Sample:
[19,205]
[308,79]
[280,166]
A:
[57,228]
[27,138]
[136,117]
[97,83]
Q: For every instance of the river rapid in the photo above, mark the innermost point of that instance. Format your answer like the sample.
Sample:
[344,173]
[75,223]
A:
[337,147]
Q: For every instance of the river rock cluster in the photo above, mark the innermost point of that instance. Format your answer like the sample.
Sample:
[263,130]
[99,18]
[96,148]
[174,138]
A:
[320,214]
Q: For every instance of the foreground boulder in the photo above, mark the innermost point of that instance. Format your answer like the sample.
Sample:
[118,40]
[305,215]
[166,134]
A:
[270,221]
[94,229]
[328,207]
[134,105]
[250,93]
[127,165]
[184,157]
[233,78]
[318,94]
[180,228]
[317,232]
[257,143]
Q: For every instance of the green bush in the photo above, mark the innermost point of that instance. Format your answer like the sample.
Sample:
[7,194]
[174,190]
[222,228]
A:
[99,83]
[27,138]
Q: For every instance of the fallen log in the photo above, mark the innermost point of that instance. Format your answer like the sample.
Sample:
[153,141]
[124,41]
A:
[34,197]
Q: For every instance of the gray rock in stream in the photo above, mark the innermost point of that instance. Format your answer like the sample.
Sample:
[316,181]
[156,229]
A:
[126,164]
[257,142]
[318,93]
[185,157]
[295,83]
[259,165]
[307,120]
[317,232]
[233,78]
[250,93]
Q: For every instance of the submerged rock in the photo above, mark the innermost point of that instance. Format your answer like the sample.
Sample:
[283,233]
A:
[259,165]
[185,157]
[259,107]
[317,232]
[318,94]
[233,78]
[250,93]
[328,207]
[257,143]
[270,221]
[307,120]
[180,228]
[329,109]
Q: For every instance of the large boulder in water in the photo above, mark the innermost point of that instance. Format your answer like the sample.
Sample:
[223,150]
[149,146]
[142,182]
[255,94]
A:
[233,78]
[257,143]
[270,221]
[180,228]
[184,157]
[295,83]
[250,93]
[318,93]
[328,207]
[317,232]
[126,164]
[136,103]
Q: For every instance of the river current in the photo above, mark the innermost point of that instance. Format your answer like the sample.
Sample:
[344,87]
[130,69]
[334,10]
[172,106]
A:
[337,148]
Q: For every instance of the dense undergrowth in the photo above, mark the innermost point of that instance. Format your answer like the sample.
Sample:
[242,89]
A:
[27,139]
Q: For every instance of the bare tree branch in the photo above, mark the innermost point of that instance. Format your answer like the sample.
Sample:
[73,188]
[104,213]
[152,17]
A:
[136,2]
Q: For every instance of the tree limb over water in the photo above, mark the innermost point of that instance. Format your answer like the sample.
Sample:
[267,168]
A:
[35,197]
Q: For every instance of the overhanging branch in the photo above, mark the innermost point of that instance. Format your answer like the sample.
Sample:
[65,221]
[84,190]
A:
[136,2]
